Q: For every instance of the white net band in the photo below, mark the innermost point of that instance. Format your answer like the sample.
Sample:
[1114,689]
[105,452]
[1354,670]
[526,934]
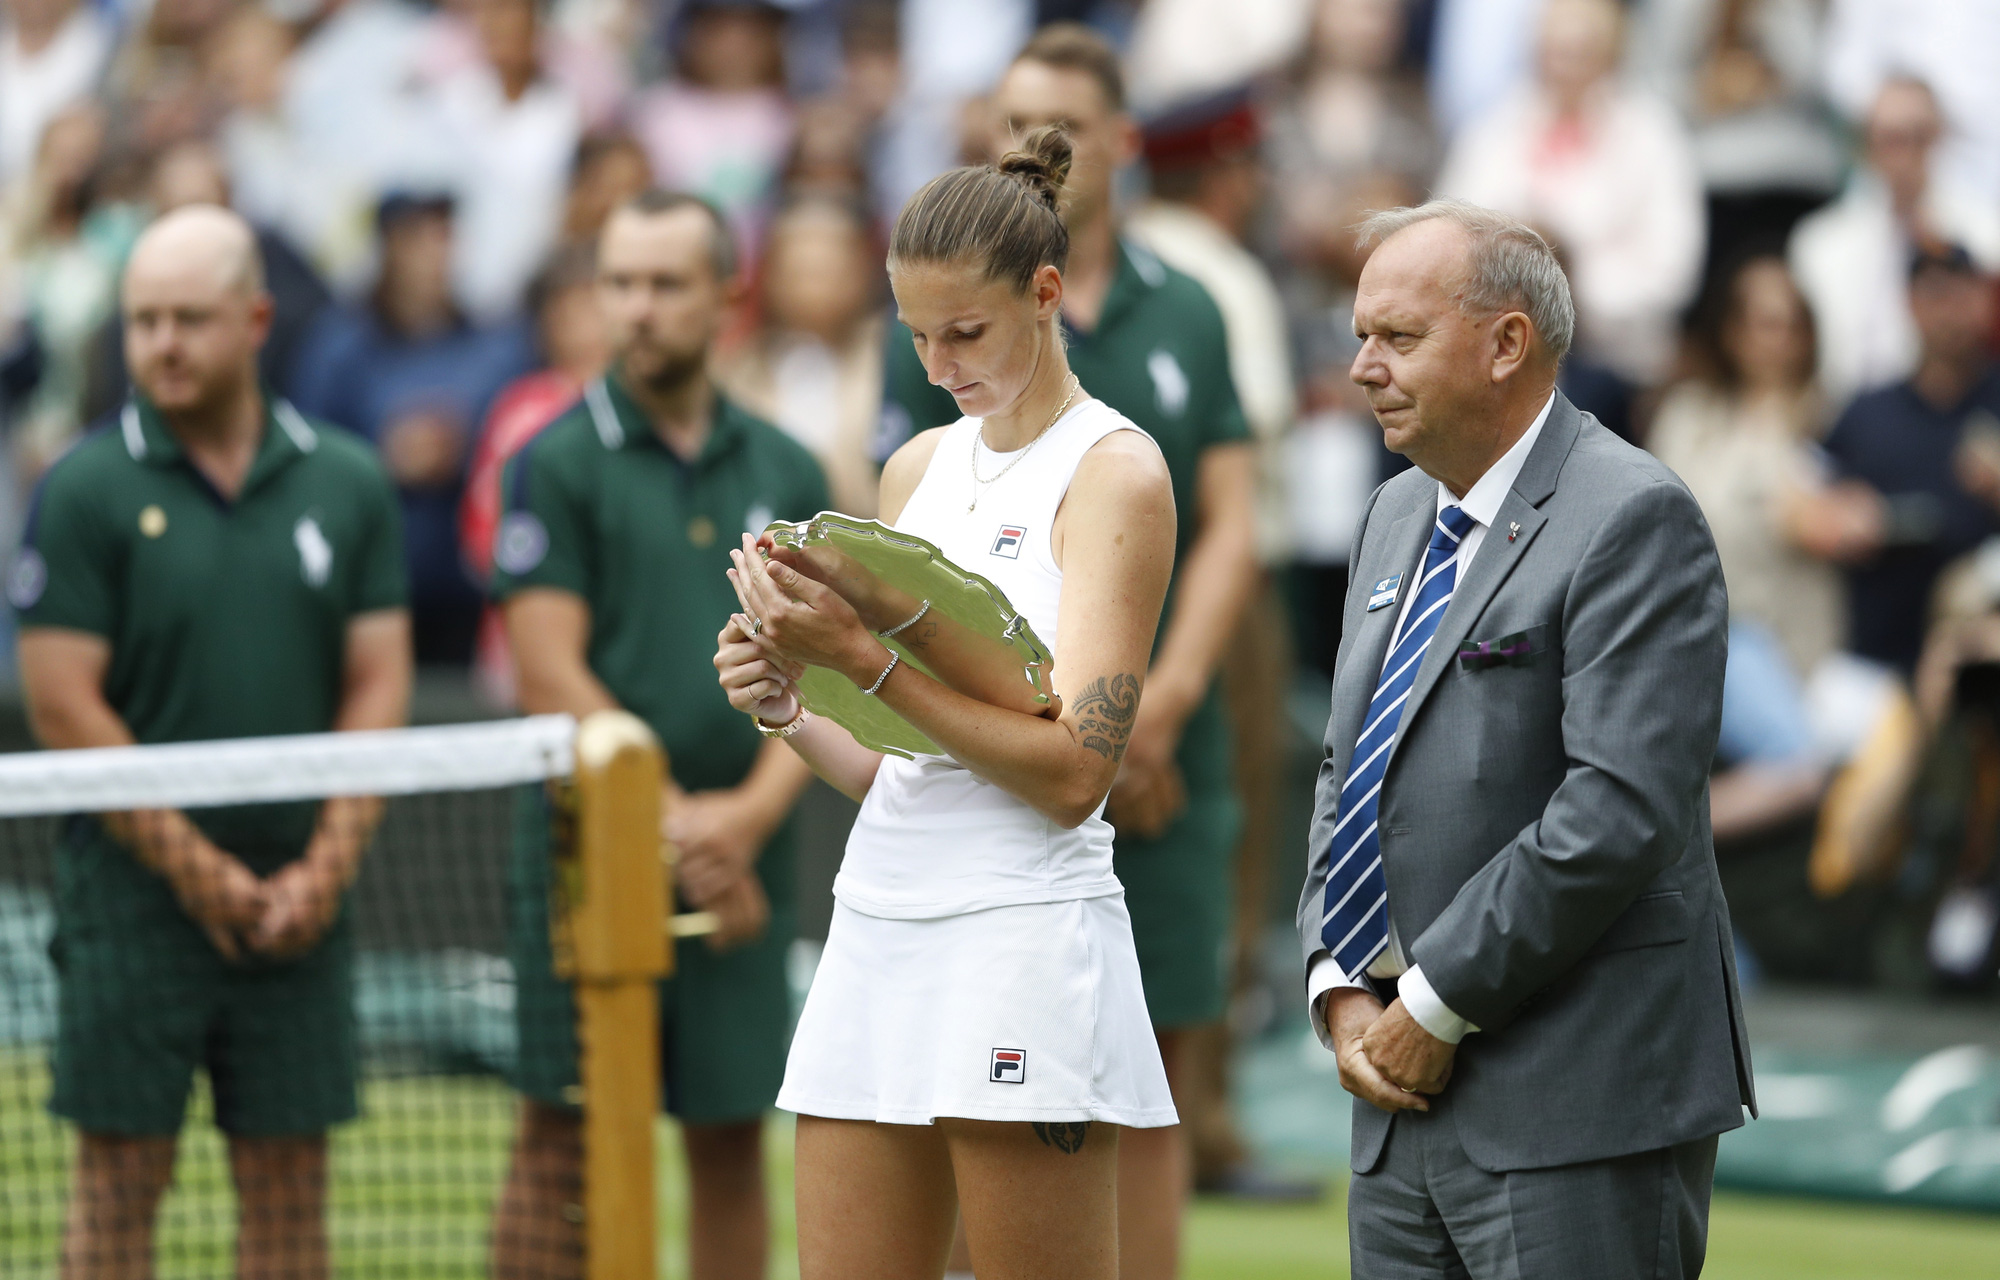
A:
[192,775]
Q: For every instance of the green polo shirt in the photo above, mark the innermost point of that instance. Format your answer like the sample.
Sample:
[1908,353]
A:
[1159,356]
[226,619]
[598,506]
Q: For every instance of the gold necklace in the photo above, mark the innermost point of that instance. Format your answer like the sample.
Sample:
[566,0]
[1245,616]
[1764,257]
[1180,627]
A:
[977,436]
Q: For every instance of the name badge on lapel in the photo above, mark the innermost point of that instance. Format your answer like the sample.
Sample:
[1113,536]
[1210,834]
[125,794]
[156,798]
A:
[1384,593]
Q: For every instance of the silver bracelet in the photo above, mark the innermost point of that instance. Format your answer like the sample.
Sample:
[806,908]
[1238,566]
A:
[906,623]
[894,658]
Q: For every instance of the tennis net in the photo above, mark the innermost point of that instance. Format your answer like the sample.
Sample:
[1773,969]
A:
[128,988]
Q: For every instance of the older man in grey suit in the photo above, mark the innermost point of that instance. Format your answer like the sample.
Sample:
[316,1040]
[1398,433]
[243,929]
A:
[1511,844]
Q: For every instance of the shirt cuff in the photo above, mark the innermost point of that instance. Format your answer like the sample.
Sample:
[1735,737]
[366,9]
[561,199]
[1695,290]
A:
[1324,975]
[1431,1013]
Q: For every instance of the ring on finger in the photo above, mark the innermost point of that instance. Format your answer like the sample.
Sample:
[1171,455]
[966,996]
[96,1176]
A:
[756,626]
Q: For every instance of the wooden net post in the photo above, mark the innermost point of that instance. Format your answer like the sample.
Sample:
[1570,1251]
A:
[618,949]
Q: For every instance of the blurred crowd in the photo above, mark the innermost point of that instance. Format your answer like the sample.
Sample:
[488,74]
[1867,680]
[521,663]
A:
[1781,218]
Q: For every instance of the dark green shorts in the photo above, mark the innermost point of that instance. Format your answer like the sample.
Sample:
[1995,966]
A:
[138,1014]
[1181,891]
[725,1020]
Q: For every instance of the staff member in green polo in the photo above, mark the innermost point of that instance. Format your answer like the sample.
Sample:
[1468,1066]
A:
[610,562]
[211,566]
[1149,342]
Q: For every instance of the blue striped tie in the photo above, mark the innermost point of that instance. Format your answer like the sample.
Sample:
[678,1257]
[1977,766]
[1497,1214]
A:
[1355,926]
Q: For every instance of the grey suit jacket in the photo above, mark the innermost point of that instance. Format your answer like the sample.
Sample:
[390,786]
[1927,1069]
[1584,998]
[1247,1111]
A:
[1544,814]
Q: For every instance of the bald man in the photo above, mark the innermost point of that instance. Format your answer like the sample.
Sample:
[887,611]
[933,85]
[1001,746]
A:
[211,565]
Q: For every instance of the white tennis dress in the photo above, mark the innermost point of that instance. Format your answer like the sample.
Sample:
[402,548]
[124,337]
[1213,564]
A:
[980,962]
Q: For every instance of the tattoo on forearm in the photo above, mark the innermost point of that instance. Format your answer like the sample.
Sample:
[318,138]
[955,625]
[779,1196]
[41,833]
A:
[921,635]
[1065,1136]
[1104,714]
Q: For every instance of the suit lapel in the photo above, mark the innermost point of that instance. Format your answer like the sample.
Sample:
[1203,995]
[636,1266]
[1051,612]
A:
[1496,556]
[1354,684]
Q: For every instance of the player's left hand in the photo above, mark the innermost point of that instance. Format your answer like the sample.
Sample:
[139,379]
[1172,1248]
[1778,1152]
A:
[718,844]
[799,620]
[1407,1055]
[301,903]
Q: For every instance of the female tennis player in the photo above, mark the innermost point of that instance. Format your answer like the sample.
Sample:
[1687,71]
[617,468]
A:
[976,1031]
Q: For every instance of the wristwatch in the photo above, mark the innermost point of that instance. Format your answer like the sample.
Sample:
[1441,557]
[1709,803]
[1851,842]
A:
[786,729]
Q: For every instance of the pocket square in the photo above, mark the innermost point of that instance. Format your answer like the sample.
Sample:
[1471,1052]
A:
[1515,650]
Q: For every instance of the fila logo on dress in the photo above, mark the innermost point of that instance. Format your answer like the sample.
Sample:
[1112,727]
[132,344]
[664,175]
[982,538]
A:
[1010,1066]
[1007,542]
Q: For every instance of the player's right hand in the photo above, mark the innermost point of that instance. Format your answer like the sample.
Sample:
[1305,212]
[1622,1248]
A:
[757,684]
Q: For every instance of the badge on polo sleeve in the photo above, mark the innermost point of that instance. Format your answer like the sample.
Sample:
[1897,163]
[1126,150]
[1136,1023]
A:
[27,579]
[1384,593]
[522,543]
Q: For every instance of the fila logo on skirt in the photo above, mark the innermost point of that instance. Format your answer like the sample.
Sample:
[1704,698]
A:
[1010,1066]
[1007,542]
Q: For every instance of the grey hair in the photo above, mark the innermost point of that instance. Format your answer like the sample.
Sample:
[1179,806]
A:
[1513,267]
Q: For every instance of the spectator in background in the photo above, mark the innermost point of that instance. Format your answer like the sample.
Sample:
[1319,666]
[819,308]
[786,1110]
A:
[608,170]
[813,366]
[1745,73]
[722,127]
[358,126]
[406,369]
[1930,448]
[52,53]
[513,132]
[192,173]
[1604,169]
[1741,434]
[839,132]
[1852,257]
[1182,49]
[1350,111]
[65,255]
[1481,53]
[1951,44]
[569,329]
[274,181]
[156,86]
[575,55]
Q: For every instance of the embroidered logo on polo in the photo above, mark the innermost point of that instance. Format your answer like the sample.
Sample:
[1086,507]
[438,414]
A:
[1010,1066]
[1007,542]
[315,552]
[1170,382]
[1384,593]
[27,579]
[521,543]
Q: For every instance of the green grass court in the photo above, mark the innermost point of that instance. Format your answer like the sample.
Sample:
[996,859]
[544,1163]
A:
[415,1181]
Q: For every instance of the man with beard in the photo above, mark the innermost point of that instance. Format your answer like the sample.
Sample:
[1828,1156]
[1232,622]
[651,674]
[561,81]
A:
[610,567]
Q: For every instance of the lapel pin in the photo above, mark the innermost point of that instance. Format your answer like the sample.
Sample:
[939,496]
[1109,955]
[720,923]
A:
[1513,530]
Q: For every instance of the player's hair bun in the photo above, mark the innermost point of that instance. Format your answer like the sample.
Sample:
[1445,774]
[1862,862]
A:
[1006,215]
[1042,161]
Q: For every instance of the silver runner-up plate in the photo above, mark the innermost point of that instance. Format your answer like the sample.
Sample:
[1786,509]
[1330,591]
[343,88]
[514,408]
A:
[970,639]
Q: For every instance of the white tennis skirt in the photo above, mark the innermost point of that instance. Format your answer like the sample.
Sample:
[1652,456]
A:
[1029,1012]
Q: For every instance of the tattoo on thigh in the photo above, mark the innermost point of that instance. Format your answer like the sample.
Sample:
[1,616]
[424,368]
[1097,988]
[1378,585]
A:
[1104,714]
[1065,1136]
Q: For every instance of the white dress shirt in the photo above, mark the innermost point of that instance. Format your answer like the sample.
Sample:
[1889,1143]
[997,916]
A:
[1481,502]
